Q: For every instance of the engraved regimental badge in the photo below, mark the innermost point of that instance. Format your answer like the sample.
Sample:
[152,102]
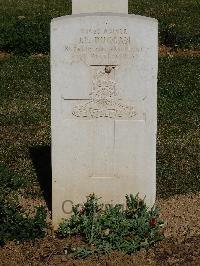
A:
[104,101]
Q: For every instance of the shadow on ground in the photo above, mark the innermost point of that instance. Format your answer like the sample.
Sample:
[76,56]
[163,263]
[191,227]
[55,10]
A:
[41,157]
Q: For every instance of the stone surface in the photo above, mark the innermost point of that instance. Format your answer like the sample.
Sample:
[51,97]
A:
[104,87]
[91,6]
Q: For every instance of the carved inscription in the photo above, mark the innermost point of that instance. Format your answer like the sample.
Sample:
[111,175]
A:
[104,46]
[104,99]
[101,45]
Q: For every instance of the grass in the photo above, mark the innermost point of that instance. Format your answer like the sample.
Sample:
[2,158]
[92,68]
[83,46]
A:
[25,25]
[25,120]
[24,112]
[15,222]
[178,20]
[178,161]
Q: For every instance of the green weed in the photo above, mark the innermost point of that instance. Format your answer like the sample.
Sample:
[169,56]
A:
[112,228]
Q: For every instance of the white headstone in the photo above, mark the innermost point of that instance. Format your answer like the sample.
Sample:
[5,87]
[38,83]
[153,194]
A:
[92,6]
[104,87]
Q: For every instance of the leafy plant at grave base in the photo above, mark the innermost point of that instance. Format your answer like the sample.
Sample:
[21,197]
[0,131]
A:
[112,228]
[15,224]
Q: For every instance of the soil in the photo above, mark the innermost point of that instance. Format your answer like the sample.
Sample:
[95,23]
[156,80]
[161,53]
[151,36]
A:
[4,55]
[181,245]
[164,50]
